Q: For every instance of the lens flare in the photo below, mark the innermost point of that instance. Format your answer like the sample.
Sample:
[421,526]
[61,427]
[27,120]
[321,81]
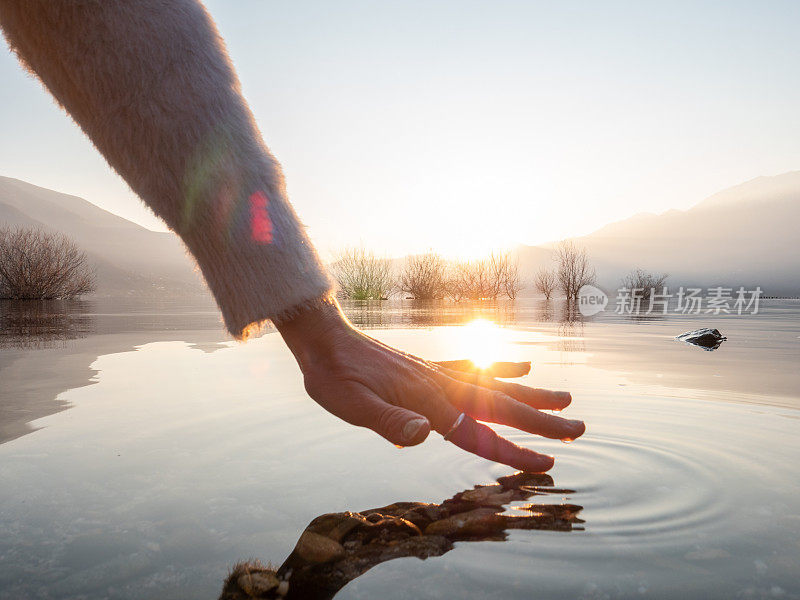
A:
[260,223]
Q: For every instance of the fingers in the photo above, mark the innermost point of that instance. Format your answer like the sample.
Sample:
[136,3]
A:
[535,397]
[507,369]
[482,440]
[478,438]
[497,369]
[490,405]
[360,406]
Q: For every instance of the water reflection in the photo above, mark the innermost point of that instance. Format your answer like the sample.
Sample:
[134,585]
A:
[36,324]
[376,314]
[177,462]
[336,548]
[571,336]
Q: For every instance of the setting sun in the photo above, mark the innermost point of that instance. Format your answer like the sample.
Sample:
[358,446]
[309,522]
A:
[481,342]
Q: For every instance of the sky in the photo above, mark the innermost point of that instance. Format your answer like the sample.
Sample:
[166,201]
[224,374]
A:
[465,126]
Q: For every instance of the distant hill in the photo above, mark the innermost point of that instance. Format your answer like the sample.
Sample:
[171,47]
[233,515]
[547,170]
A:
[129,259]
[745,235]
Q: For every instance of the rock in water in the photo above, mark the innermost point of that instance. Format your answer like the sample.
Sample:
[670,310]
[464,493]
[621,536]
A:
[708,339]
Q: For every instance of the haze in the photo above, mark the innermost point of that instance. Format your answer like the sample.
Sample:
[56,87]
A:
[464,126]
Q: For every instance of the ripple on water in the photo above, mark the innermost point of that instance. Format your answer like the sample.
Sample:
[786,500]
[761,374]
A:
[654,492]
[654,473]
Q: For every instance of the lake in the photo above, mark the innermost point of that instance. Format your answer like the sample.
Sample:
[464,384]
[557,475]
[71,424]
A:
[143,453]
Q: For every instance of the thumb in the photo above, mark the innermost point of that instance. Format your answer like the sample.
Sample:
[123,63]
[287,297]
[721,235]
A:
[399,425]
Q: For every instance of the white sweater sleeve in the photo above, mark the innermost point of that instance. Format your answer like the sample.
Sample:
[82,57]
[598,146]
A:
[150,83]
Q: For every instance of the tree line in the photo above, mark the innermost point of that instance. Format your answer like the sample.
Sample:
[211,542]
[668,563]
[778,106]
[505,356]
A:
[36,264]
[361,275]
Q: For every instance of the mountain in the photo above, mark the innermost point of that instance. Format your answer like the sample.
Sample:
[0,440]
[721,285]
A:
[129,259]
[743,236]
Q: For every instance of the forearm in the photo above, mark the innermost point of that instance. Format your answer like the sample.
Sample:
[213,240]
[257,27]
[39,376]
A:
[151,85]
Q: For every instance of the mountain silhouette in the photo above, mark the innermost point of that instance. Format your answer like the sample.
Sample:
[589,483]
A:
[745,235]
[129,259]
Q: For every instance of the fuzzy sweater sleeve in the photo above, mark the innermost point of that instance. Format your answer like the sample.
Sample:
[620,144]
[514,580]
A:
[150,83]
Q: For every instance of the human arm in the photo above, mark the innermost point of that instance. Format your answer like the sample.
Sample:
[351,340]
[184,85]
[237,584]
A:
[150,83]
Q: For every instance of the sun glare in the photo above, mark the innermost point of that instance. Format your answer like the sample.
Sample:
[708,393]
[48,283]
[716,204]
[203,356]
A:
[481,342]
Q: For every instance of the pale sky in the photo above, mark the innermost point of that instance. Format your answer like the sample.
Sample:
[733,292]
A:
[468,125]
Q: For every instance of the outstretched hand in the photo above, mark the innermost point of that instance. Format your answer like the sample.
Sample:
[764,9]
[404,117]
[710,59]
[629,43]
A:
[402,397]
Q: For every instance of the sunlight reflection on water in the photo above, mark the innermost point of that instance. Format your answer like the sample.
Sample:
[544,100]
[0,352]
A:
[179,461]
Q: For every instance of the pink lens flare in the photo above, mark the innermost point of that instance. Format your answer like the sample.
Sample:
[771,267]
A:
[260,223]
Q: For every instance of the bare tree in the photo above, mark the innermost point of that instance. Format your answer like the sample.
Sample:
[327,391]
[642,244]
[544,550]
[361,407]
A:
[574,270]
[363,276]
[642,284]
[546,282]
[512,284]
[473,280]
[35,264]
[504,274]
[424,276]
[498,265]
[486,278]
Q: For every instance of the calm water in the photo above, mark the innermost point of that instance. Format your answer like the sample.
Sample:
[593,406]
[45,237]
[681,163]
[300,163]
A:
[142,454]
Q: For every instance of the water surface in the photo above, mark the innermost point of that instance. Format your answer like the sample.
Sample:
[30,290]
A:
[143,453]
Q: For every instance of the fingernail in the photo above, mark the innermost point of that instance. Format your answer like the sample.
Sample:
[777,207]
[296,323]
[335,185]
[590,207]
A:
[412,428]
[578,428]
[563,395]
[545,463]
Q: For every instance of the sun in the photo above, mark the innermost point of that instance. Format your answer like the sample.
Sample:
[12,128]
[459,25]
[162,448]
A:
[481,341]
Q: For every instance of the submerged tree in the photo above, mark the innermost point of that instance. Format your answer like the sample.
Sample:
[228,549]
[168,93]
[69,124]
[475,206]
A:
[505,272]
[484,279]
[546,282]
[424,276]
[472,280]
[35,264]
[643,285]
[574,269]
[363,276]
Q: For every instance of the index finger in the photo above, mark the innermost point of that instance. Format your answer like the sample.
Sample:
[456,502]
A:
[534,397]
[496,369]
[430,400]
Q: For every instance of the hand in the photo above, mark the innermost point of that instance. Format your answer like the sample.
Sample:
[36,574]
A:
[402,397]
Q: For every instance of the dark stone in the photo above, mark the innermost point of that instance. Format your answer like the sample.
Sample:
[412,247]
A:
[708,339]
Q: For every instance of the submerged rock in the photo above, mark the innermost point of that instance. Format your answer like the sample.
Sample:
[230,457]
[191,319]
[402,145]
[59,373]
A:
[708,339]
